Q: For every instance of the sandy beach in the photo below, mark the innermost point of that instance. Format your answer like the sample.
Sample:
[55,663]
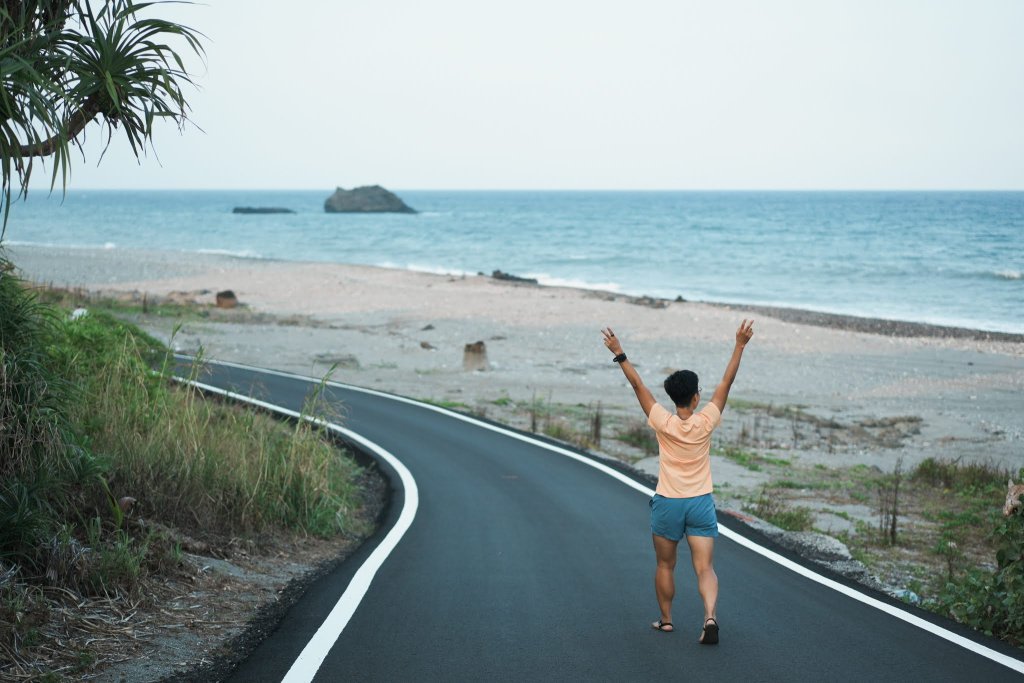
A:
[903,390]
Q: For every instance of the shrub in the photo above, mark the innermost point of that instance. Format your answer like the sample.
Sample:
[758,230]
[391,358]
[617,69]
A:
[639,435]
[193,461]
[85,419]
[952,474]
[992,601]
[45,472]
[773,508]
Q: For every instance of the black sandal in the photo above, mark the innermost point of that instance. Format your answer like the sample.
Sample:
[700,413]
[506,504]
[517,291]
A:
[660,625]
[710,634]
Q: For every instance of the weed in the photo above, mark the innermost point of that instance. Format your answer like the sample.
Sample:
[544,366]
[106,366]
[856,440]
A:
[889,503]
[773,508]
[953,474]
[595,427]
[743,458]
[749,459]
[442,403]
[992,601]
[639,435]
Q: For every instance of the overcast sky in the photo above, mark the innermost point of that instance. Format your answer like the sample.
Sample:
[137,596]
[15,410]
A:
[565,94]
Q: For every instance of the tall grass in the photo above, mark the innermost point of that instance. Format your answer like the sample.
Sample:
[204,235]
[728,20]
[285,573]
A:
[192,460]
[954,474]
[85,421]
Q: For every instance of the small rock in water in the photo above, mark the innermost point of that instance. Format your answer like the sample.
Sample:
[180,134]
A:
[261,209]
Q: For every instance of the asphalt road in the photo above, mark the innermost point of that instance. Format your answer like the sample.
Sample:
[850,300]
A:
[523,564]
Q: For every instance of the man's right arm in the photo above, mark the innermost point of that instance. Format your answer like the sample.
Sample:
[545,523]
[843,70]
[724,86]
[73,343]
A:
[743,335]
[643,394]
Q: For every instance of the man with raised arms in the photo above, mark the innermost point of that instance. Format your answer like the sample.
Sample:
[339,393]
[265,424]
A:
[682,504]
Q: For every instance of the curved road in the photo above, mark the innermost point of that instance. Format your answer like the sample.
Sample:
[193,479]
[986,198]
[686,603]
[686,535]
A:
[524,564]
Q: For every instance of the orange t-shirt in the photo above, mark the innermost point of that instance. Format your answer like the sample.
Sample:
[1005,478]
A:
[684,450]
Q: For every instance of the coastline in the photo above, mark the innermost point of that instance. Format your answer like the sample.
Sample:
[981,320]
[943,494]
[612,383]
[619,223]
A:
[405,331]
[107,269]
[881,326]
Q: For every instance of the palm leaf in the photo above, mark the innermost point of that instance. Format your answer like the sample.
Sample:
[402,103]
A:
[65,64]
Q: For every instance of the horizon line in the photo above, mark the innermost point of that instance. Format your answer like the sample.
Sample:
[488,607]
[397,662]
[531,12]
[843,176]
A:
[535,189]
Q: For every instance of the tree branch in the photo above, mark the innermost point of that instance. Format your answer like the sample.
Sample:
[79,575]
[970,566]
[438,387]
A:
[75,125]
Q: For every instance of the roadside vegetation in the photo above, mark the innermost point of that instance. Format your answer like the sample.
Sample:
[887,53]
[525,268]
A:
[112,472]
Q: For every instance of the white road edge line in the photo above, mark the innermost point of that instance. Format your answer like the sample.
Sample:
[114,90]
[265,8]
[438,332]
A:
[305,667]
[966,643]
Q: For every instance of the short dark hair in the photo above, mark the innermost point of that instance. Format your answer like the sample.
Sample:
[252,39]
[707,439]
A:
[681,386]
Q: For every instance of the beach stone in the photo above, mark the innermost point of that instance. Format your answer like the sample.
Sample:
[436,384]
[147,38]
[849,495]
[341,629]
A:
[226,299]
[509,277]
[427,345]
[474,357]
[368,199]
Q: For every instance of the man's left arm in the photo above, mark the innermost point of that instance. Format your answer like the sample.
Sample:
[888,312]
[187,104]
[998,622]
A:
[643,394]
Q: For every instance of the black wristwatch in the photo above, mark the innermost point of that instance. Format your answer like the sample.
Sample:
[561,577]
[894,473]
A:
[619,358]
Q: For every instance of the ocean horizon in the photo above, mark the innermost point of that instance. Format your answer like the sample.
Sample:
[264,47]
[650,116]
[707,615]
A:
[940,257]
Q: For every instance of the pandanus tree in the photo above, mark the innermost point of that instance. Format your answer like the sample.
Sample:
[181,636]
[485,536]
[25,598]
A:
[66,64]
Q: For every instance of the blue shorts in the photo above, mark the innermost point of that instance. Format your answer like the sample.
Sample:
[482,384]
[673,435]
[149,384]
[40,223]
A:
[674,518]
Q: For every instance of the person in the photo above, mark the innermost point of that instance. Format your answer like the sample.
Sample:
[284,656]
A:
[682,504]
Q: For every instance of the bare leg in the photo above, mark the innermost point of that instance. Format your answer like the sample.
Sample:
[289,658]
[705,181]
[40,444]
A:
[701,552]
[664,580]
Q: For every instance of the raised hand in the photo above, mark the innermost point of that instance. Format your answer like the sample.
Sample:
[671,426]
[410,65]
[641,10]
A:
[611,341]
[745,332]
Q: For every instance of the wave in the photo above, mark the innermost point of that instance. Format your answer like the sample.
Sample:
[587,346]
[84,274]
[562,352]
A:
[58,245]
[575,283]
[421,268]
[1008,274]
[244,253]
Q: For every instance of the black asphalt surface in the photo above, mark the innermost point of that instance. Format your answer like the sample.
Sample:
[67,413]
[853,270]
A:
[525,565]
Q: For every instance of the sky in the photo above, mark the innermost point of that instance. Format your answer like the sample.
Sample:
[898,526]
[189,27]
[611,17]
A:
[566,94]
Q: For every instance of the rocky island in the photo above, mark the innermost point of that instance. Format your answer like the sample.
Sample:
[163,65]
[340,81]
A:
[368,199]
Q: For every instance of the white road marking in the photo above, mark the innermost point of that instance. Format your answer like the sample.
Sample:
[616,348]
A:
[966,643]
[313,654]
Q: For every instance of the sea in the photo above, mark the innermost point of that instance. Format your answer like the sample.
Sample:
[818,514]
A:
[947,258]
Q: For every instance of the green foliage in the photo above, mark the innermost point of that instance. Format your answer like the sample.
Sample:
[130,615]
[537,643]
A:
[992,601]
[192,458]
[87,420]
[741,457]
[25,519]
[23,610]
[953,474]
[773,508]
[115,565]
[32,395]
[44,470]
[64,64]
[639,435]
